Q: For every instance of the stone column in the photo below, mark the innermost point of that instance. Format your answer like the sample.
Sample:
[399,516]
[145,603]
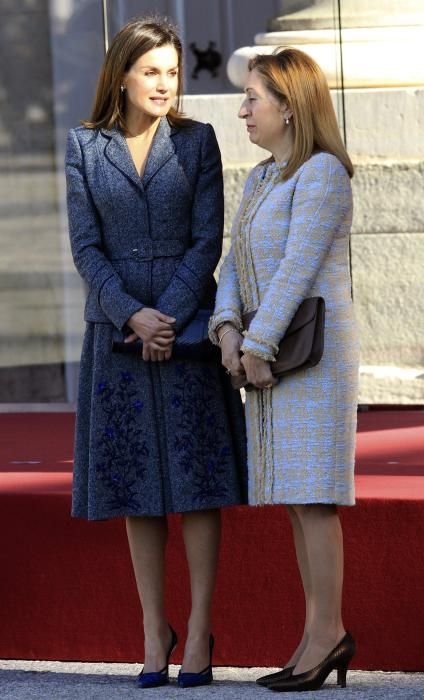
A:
[382,41]
[382,44]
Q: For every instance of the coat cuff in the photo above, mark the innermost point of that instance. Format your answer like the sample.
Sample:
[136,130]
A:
[259,349]
[116,304]
[225,316]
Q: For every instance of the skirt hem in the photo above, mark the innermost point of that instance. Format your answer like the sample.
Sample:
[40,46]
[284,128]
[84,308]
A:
[96,518]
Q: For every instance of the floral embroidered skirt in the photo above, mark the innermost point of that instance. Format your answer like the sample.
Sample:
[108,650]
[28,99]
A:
[154,438]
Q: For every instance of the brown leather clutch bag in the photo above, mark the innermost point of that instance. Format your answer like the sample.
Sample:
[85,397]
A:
[302,345]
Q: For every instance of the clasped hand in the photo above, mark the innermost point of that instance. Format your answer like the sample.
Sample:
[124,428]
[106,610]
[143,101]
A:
[155,330]
[258,372]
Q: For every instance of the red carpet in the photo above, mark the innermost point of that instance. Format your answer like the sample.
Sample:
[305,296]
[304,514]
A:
[66,587]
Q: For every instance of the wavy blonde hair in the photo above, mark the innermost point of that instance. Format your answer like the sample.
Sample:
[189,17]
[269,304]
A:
[294,78]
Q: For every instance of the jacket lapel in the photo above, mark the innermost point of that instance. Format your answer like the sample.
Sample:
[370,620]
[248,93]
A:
[117,152]
[161,151]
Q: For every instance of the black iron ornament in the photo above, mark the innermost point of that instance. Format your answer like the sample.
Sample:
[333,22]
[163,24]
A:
[209,59]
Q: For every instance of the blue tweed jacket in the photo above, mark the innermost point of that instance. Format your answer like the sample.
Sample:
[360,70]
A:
[290,241]
[151,437]
[131,238]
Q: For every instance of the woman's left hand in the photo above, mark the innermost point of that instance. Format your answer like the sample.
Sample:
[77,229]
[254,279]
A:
[258,372]
[152,354]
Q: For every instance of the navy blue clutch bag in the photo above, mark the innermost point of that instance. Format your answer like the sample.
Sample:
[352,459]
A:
[192,343]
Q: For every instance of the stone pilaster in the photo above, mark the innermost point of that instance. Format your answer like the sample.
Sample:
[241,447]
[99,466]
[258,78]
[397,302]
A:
[381,41]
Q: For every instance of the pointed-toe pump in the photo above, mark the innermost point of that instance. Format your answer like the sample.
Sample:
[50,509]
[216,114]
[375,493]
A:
[205,677]
[337,660]
[282,675]
[155,679]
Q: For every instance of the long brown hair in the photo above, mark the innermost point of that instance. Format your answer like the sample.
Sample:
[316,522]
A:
[137,37]
[294,78]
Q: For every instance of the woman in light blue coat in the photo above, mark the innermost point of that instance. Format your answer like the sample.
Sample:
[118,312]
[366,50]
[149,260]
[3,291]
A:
[290,241]
[154,435]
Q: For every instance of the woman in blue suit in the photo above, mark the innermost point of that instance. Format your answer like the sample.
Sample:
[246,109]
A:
[154,435]
[290,241]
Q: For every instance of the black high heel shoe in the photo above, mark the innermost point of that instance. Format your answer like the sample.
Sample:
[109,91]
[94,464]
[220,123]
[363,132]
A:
[205,677]
[337,660]
[155,679]
[282,675]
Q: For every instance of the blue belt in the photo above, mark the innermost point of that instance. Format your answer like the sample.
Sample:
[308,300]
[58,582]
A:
[149,250]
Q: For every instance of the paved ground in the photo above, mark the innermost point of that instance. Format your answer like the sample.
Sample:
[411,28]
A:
[41,680]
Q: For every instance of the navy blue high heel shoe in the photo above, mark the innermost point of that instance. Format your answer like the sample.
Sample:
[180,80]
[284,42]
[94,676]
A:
[205,677]
[155,679]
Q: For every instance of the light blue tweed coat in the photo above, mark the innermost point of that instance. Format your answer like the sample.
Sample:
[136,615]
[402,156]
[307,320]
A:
[151,438]
[289,242]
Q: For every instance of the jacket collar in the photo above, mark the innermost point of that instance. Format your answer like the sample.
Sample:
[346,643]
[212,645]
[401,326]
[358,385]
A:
[161,151]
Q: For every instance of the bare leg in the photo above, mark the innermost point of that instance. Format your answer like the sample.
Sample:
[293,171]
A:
[201,532]
[147,539]
[324,546]
[302,561]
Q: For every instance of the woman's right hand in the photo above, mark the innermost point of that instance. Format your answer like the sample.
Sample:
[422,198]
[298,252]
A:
[230,349]
[154,329]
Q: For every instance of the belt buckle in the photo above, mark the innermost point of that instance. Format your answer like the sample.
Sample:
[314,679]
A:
[144,252]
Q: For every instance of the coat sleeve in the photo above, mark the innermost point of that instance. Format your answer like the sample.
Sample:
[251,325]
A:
[86,242]
[228,301]
[321,202]
[228,304]
[183,296]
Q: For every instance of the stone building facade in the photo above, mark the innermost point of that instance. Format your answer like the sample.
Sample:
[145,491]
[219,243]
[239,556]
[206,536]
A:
[51,53]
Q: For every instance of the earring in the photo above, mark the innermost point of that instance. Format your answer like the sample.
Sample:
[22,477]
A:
[287,120]
[122,88]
